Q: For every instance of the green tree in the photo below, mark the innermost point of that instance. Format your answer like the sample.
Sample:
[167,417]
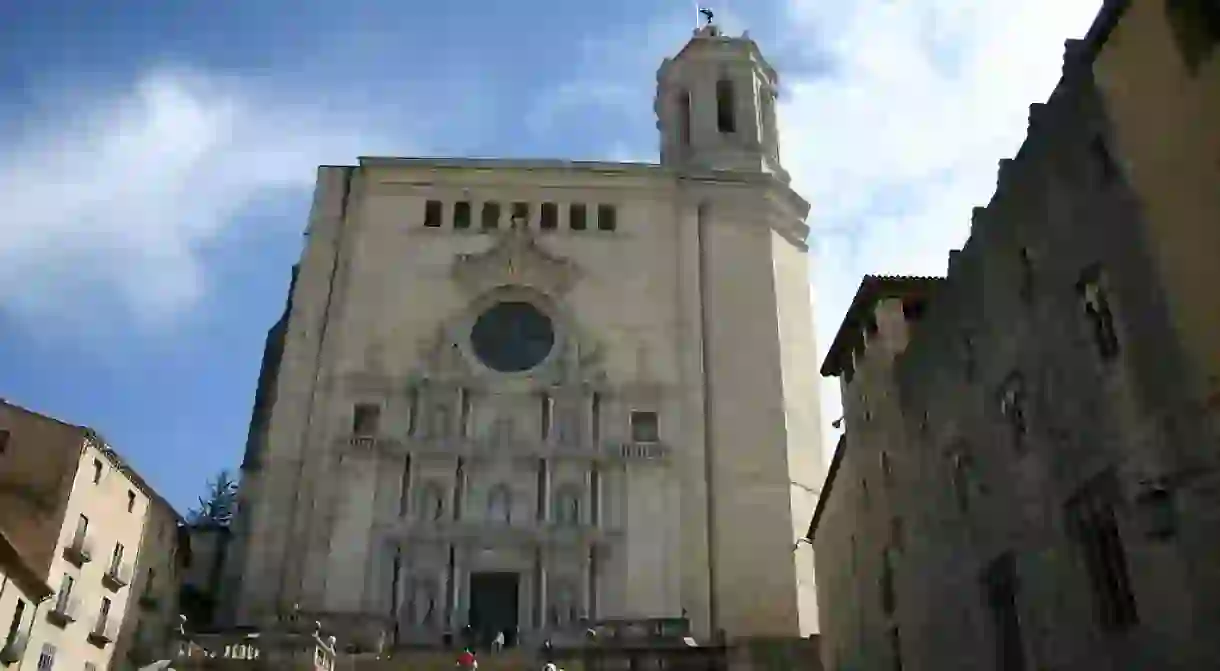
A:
[219,504]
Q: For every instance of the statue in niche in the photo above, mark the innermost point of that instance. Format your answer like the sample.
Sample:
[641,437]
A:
[568,423]
[563,607]
[452,361]
[567,507]
[499,505]
[423,602]
[439,424]
[432,503]
[502,431]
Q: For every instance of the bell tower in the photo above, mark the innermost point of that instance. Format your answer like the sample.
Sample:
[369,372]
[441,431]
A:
[715,106]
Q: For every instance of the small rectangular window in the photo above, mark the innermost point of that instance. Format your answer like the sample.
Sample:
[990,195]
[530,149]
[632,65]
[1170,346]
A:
[961,477]
[365,417]
[131,501]
[889,600]
[1094,524]
[97,471]
[549,217]
[491,216]
[520,215]
[4,437]
[912,310]
[433,213]
[1012,408]
[103,614]
[607,218]
[1196,29]
[644,426]
[896,649]
[578,217]
[46,657]
[65,589]
[14,627]
[1103,163]
[1095,303]
[1000,594]
[461,215]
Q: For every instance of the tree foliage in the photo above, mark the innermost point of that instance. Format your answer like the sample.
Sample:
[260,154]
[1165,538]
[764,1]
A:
[219,504]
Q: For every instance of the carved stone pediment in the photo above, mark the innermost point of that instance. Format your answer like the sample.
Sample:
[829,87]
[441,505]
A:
[515,259]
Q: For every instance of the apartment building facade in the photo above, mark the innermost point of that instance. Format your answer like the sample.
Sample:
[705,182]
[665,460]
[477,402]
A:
[87,522]
[22,593]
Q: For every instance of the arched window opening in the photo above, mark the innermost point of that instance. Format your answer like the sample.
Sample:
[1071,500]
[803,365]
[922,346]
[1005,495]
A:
[563,610]
[431,503]
[726,120]
[421,602]
[567,508]
[684,120]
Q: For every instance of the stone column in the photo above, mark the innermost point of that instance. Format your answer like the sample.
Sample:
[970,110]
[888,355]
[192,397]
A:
[459,490]
[450,596]
[594,483]
[592,601]
[544,466]
[540,590]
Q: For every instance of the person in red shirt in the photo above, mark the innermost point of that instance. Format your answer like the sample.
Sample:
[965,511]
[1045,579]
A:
[467,660]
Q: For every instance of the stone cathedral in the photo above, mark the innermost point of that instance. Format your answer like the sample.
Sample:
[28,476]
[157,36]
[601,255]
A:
[525,394]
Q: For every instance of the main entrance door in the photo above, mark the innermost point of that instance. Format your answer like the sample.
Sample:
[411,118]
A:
[493,605]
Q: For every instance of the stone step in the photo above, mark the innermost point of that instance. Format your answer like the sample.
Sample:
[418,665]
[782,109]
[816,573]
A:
[446,660]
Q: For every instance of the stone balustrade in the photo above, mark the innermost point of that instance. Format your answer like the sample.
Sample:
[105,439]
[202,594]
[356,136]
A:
[608,451]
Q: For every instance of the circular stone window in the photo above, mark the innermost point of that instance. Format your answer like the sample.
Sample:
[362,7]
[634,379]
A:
[512,337]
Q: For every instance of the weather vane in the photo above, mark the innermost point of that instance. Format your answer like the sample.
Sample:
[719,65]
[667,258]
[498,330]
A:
[707,14]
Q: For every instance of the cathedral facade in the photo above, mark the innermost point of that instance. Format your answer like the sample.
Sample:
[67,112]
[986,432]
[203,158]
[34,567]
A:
[519,394]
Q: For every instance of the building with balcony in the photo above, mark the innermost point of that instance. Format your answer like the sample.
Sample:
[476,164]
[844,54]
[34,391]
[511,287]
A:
[23,594]
[89,525]
[1029,476]
[518,394]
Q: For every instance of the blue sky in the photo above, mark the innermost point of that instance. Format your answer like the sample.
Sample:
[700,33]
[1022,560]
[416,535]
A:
[156,160]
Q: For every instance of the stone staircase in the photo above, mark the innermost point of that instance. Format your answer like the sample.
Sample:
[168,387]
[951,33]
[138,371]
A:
[515,659]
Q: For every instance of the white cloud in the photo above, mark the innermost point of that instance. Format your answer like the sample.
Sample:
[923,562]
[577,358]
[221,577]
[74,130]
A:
[108,203]
[895,134]
[901,136]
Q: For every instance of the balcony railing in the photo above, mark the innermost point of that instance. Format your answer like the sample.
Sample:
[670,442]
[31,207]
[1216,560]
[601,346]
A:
[105,631]
[609,450]
[480,531]
[117,576]
[13,649]
[65,611]
[80,550]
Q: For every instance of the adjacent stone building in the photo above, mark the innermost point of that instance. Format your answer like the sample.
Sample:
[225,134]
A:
[91,528]
[522,393]
[1029,476]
